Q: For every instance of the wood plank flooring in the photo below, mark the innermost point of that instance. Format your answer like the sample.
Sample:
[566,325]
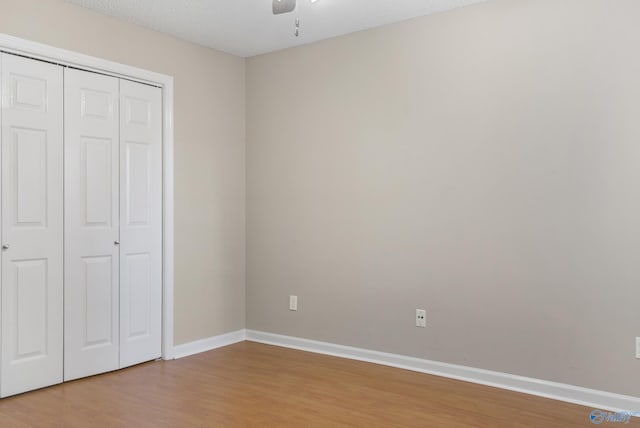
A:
[254,385]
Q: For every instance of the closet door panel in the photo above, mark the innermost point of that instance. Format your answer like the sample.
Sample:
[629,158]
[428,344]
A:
[141,223]
[32,224]
[91,224]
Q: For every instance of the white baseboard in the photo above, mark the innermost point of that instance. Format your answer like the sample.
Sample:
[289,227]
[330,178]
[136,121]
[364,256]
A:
[557,391]
[209,343]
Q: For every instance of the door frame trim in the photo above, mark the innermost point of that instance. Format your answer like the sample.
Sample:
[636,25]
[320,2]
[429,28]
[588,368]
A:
[39,51]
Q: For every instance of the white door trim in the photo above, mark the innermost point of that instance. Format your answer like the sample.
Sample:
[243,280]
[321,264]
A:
[64,57]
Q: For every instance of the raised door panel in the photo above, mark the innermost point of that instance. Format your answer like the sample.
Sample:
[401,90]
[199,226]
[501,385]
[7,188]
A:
[32,224]
[91,224]
[97,304]
[141,223]
[27,308]
[96,182]
[30,176]
[138,270]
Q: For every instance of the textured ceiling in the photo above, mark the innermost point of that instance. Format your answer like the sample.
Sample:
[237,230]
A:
[248,27]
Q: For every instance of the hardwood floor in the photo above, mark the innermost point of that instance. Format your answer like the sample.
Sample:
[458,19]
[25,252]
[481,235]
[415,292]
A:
[254,385]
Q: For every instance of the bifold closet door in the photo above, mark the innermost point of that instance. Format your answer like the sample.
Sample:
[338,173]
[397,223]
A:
[32,224]
[113,220]
[140,223]
[92,133]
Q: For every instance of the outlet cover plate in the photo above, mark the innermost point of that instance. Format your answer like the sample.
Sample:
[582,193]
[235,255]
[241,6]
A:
[293,303]
[421,318]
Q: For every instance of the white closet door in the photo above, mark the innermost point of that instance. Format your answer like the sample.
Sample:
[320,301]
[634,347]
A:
[140,223]
[91,224]
[32,221]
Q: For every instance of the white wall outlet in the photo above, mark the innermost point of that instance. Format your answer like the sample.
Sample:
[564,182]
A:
[293,303]
[638,347]
[421,318]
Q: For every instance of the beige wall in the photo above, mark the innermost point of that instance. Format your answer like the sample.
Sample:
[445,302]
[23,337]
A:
[209,150]
[482,163]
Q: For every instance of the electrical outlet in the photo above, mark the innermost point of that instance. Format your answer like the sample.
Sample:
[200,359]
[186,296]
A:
[638,347]
[421,318]
[293,303]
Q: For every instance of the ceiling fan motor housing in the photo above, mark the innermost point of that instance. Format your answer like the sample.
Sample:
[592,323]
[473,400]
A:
[283,6]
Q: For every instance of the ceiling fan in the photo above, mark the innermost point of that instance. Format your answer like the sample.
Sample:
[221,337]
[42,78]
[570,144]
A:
[283,6]
[286,6]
